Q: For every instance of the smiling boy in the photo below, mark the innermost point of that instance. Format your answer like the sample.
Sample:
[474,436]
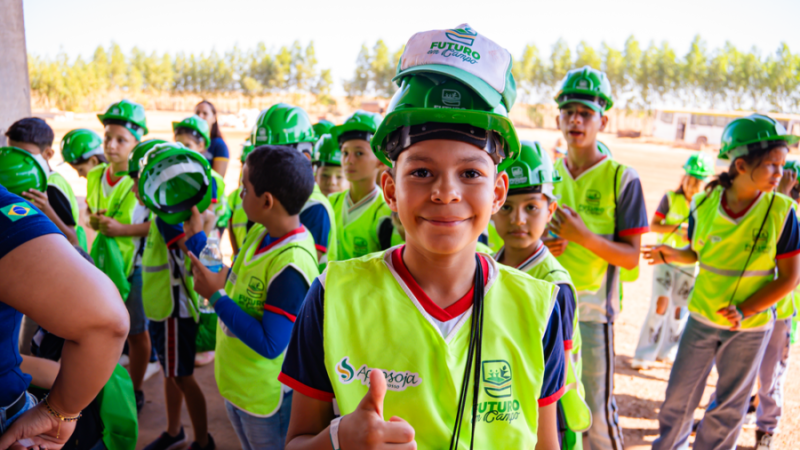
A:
[466,350]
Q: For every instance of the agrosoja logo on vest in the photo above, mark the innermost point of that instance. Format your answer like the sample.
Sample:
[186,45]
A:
[395,380]
[461,41]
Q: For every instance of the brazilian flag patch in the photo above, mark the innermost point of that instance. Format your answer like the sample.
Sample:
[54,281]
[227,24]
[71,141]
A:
[16,211]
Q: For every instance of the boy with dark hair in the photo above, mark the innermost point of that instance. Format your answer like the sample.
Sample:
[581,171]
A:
[599,223]
[262,297]
[35,136]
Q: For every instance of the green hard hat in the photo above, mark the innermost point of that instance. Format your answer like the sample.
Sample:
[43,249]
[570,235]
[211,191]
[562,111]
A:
[326,152]
[794,165]
[323,127]
[604,150]
[284,124]
[700,165]
[137,155]
[740,135]
[79,145]
[198,126]
[246,149]
[437,99]
[19,171]
[533,168]
[175,179]
[361,125]
[587,86]
[128,114]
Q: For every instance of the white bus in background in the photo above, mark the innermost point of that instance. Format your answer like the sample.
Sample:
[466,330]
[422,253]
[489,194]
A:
[705,127]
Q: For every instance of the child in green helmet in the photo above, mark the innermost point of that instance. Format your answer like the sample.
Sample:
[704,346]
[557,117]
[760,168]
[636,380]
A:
[363,221]
[328,161]
[239,225]
[452,348]
[746,241]
[258,303]
[59,204]
[598,223]
[666,318]
[122,223]
[83,150]
[521,222]
[192,132]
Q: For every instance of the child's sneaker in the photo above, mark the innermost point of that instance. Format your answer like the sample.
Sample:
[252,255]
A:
[639,364]
[204,358]
[167,442]
[763,440]
[210,446]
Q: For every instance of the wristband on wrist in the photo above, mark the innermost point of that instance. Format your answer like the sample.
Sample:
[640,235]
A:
[216,296]
[740,312]
[335,433]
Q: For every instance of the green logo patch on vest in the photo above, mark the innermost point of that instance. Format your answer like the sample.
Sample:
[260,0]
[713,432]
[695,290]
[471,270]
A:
[593,196]
[395,380]
[361,246]
[16,211]
[497,378]
[762,241]
[255,287]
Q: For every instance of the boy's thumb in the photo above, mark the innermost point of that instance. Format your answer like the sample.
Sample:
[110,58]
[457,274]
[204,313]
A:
[373,401]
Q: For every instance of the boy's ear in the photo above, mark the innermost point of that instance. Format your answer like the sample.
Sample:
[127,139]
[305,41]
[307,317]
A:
[551,208]
[267,200]
[389,189]
[500,191]
[603,122]
[558,120]
[48,153]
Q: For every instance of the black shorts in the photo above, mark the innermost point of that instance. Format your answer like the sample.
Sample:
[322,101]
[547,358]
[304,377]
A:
[174,343]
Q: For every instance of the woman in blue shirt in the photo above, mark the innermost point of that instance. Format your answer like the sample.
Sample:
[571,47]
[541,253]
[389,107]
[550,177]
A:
[77,302]
[217,152]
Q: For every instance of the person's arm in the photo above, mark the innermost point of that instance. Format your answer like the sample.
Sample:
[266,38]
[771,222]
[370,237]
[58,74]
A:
[553,383]
[42,201]
[43,371]
[232,237]
[657,224]
[788,262]
[664,254]
[315,218]
[79,304]
[623,253]
[220,156]
[113,228]
[220,166]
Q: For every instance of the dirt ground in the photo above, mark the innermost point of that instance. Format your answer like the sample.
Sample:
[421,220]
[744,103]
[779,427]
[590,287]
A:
[639,393]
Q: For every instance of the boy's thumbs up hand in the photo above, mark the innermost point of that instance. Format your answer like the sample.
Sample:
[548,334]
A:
[365,428]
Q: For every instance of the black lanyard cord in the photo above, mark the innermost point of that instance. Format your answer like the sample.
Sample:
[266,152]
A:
[752,249]
[473,354]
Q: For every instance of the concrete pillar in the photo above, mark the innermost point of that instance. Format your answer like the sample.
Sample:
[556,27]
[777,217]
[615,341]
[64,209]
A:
[15,95]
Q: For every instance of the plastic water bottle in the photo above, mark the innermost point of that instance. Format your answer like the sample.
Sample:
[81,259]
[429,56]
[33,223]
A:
[211,256]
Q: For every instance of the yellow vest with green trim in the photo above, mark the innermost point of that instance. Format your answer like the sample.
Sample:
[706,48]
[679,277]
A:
[318,197]
[95,198]
[238,217]
[678,214]
[59,182]
[157,281]
[576,411]
[722,248]
[245,378]
[424,370]
[360,236]
[592,197]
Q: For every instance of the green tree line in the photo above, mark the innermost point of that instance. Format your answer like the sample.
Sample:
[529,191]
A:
[645,76]
[642,76]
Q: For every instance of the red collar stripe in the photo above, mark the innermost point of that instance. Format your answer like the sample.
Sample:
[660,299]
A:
[286,236]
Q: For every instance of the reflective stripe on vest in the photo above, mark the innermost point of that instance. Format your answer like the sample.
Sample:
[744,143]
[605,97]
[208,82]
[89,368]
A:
[592,197]
[424,369]
[245,378]
[157,280]
[360,236]
[544,266]
[723,245]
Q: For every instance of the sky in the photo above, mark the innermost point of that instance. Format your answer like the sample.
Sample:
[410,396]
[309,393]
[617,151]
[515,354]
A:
[338,28]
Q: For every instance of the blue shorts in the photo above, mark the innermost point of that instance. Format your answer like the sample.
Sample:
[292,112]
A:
[174,343]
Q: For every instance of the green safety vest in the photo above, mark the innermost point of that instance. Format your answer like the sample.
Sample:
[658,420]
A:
[119,206]
[245,378]
[56,180]
[678,214]
[238,217]
[360,236]
[317,197]
[157,280]
[495,241]
[95,199]
[576,412]
[591,196]
[722,248]
[424,370]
